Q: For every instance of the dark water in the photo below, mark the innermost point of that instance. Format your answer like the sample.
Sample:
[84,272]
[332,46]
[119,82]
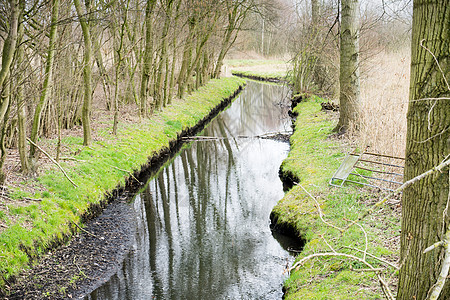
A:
[203,221]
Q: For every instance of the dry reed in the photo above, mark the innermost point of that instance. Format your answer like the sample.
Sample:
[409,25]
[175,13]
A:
[384,97]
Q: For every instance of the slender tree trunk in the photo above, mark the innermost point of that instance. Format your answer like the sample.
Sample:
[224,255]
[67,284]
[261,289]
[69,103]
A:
[424,213]
[6,103]
[148,57]
[87,74]
[224,48]
[174,54]
[314,12]
[349,66]
[9,48]
[118,69]
[46,88]
[159,91]
[187,55]
[21,113]
[103,73]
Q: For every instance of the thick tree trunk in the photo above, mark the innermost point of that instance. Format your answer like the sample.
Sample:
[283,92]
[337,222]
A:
[425,218]
[46,88]
[349,65]
[87,74]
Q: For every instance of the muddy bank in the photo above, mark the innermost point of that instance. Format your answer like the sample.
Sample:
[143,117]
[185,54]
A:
[95,253]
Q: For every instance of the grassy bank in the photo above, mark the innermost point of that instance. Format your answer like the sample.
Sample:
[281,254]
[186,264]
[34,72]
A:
[258,69]
[39,213]
[313,158]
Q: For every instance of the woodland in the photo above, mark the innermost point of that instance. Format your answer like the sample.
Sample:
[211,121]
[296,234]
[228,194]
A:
[77,68]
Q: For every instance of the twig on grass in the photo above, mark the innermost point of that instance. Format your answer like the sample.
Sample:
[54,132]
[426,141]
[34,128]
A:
[374,257]
[84,230]
[367,242]
[387,292]
[320,210]
[53,161]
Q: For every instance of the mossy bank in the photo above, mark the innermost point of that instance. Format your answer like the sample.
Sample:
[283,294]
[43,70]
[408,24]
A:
[39,221]
[314,156]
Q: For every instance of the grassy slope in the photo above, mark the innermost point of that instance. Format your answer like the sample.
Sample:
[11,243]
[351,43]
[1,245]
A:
[99,170]
[313,159]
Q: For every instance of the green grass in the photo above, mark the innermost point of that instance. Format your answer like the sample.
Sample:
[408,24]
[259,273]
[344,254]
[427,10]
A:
[96,173]
[313,158]
[278,75]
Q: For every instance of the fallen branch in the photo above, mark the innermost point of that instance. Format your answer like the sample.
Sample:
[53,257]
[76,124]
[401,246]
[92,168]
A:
[53,161]
[84,230]
[374,257]
[79,269]
[320,210]
[387,292]
[214,138]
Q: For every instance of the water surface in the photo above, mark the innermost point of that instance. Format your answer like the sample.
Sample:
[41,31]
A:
[203,221]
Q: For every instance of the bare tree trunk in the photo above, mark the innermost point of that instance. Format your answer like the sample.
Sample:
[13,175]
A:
[118,69]
[46,88]
[314,12]
[9,48]
[349,66]
[148,57]
[87,74]
[103,73]
[21,113]
[6,102]
[424,205]
[159,91]
[174,54]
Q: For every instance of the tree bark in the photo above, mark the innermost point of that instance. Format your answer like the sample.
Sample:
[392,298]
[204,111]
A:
[148,57]
[118,69]
[46,88]
[349,65]
[314,12]
[87,74]
[424,213]
[21,112]
[9,48]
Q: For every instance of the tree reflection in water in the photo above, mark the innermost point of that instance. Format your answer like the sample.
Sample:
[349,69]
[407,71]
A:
[203,221]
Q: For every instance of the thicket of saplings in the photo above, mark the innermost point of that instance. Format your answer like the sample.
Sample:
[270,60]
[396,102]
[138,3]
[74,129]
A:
[56,55]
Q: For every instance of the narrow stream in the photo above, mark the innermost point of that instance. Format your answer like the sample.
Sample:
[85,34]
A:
[203,221]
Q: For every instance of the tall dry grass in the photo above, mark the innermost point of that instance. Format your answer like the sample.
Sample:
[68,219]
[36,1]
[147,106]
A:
[384,96]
